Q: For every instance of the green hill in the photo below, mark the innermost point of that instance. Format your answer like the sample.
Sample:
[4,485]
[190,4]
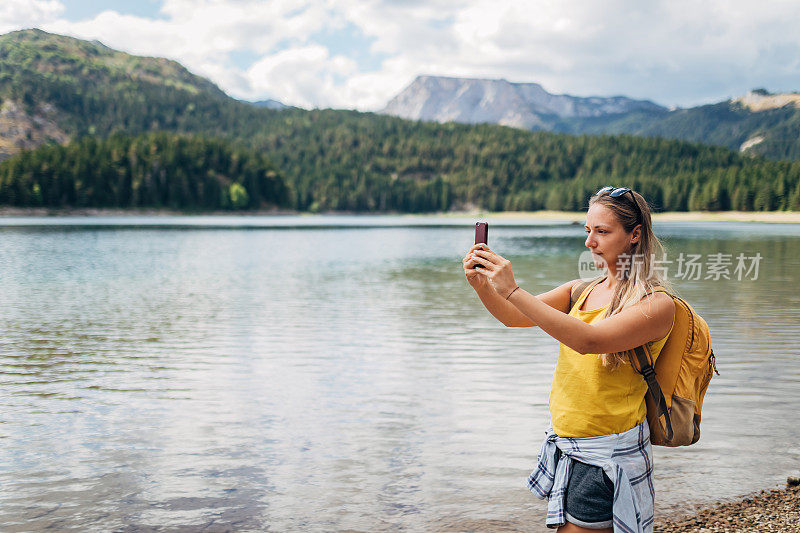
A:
[85,88]
[345,160]
[727,124]
[150,170]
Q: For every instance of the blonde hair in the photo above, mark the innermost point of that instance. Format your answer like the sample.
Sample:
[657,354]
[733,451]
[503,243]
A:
[637,277]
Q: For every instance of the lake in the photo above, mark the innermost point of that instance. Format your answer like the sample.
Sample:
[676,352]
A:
[321,373]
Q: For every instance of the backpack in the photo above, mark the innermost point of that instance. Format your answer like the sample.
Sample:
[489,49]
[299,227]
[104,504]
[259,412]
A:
[678,380]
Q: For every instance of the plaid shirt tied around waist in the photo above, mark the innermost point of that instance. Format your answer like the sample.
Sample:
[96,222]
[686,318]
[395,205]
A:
[626,458]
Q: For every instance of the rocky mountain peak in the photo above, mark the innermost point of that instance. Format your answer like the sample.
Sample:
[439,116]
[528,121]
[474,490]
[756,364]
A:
[761,100]
[498,101]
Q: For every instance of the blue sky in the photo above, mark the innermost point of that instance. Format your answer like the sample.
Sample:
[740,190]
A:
[360,53]
[76,10]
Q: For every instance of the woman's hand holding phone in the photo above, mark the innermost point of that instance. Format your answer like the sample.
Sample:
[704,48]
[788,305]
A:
[475,279]
[497,269]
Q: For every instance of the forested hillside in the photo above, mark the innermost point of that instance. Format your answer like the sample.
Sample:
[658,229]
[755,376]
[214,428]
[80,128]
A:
[89,89]
[418,167]
[352,161]
[724,124]
[329,159]
[151,170]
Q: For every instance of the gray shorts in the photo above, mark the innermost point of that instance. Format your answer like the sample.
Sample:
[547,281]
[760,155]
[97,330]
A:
[590,496]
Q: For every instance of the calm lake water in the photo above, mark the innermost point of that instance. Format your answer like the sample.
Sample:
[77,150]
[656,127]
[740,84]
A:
[338,373]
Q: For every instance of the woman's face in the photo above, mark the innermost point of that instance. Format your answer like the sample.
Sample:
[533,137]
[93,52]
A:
[606,238]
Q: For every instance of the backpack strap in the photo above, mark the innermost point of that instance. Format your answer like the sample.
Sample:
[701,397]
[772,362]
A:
[645,360]
[577,290]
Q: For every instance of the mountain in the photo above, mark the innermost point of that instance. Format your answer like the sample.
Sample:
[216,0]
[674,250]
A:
[520,105]
[269,104]
[758,123]
[55,88]
[58,90]
[763,100]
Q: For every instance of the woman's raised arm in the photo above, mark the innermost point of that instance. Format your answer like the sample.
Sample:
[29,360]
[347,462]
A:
[504,311]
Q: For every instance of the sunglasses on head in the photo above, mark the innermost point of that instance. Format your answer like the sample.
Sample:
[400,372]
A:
[616,192]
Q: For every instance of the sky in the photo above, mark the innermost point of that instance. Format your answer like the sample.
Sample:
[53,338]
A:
[358,54]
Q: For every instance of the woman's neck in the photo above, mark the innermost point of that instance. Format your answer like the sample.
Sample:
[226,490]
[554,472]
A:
[610,281]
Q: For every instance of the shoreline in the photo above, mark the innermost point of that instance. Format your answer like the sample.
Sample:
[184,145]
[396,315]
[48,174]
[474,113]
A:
[672,216]
[767,510]
[571,216]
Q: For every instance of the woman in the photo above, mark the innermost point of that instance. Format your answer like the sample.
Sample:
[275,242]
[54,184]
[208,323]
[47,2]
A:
[595,465]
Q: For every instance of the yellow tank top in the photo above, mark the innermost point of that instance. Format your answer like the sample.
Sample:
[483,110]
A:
[587,399]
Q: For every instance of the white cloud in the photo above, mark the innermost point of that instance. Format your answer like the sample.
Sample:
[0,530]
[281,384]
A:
[202,34]
[299,76]
[21,14]
[672,51]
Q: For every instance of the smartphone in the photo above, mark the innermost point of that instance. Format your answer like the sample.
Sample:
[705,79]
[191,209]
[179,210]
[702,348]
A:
[481,235]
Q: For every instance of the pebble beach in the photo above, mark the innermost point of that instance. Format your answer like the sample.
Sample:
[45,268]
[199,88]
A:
[774,510]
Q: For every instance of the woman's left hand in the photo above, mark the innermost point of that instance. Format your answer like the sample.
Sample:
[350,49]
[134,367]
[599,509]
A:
[497,269]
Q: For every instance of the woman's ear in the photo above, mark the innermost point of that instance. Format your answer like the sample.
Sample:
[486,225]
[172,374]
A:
[636,233]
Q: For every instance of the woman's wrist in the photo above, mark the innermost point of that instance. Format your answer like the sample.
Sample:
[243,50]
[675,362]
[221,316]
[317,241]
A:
[512,292]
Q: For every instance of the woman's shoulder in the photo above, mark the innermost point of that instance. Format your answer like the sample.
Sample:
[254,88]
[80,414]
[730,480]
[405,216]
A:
[660,306]
[659,297]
